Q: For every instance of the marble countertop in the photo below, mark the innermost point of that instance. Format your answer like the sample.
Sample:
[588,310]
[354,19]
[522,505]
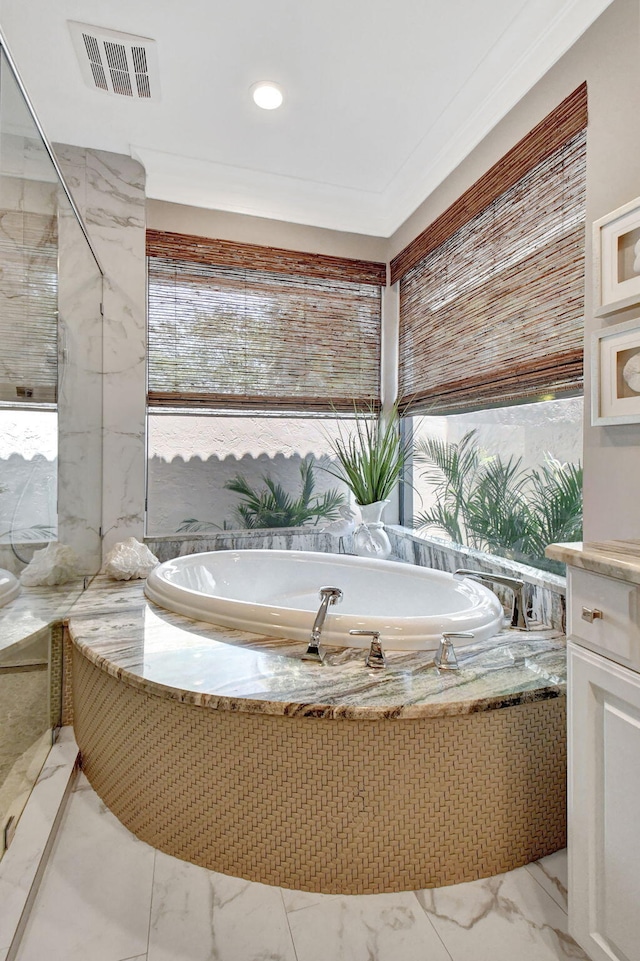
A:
[620,559]
[118,629]
[35,609]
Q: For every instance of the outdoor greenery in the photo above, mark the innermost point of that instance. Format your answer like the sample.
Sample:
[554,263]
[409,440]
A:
[192,525]
[272,506]
[494,505]
[38,532]
[371,455]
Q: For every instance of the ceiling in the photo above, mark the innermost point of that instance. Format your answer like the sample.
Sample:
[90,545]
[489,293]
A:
[382,99]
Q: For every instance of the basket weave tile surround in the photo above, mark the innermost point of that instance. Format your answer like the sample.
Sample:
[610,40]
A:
[335,806]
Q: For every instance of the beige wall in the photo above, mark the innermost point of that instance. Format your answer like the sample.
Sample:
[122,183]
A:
[608,58]
[162,215]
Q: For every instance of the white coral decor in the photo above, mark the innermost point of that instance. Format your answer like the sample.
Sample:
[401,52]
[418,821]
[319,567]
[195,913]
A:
[129,560]
[55,564]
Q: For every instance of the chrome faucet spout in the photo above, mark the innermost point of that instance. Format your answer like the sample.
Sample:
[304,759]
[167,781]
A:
[519,618]
[328,595]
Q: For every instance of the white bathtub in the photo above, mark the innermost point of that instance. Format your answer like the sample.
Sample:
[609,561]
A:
[9,587]
[276,593]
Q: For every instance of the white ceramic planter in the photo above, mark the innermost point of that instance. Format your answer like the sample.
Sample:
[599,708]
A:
[370,538]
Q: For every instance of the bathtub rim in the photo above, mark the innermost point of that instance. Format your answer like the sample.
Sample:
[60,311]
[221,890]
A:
[485,619]
[10,587]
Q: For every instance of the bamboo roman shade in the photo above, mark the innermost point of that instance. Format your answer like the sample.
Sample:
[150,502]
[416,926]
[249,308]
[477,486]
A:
[494,313]
[239,326]
[29,304]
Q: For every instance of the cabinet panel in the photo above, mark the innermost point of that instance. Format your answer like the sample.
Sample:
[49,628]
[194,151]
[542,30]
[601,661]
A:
[615,608]
[620,830]
[604,807]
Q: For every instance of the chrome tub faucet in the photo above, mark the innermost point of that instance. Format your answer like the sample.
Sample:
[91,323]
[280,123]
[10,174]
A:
[376,656]
[328,595]
[446,659]
[519,618]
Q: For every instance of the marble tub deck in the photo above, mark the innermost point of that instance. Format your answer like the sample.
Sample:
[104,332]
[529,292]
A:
[119,630]
[619,559]
[35,609]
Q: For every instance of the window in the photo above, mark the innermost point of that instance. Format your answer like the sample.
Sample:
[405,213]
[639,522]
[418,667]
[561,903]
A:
[248,348]
[506,480]
[28,462]
[28,366]
[192,459]
[491,315]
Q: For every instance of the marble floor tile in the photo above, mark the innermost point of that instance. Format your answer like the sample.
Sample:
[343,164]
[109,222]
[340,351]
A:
[551,873]
[20,778]
[298,900]
[20,864]
[384,927]
[95,897]
[106,896]
[199,915]
[499,919]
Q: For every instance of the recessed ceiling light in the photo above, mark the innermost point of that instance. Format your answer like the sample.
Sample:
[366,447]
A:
[266,94]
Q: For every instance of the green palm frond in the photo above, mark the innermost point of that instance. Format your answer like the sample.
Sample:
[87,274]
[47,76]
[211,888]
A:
[451,470]
[494,505]
[556,500]
[273,506]
[191,525]
[308,481]
[451,465]
[497,512]
[38,532]
[443,518]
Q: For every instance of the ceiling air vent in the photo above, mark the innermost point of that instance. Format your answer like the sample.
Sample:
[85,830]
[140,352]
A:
[117,63]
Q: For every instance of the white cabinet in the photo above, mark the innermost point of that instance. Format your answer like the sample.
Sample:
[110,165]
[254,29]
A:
[604,806]
[604,615]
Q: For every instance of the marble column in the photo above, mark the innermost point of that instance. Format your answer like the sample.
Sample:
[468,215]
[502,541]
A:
[110,192]
[79,392]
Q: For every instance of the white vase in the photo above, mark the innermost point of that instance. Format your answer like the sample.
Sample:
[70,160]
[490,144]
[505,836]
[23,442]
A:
[370,538]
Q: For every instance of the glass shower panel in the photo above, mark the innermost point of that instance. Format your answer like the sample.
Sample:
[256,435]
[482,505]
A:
[50,433]
[28,330]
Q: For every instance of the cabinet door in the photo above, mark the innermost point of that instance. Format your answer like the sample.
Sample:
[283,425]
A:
[604,806]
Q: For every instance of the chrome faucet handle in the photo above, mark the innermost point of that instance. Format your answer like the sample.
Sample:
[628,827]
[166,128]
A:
[328,595]
[445,658]
[314,652]
[519,618]
[376,657]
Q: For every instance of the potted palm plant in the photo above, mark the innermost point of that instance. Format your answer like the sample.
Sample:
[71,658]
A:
[371,456]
